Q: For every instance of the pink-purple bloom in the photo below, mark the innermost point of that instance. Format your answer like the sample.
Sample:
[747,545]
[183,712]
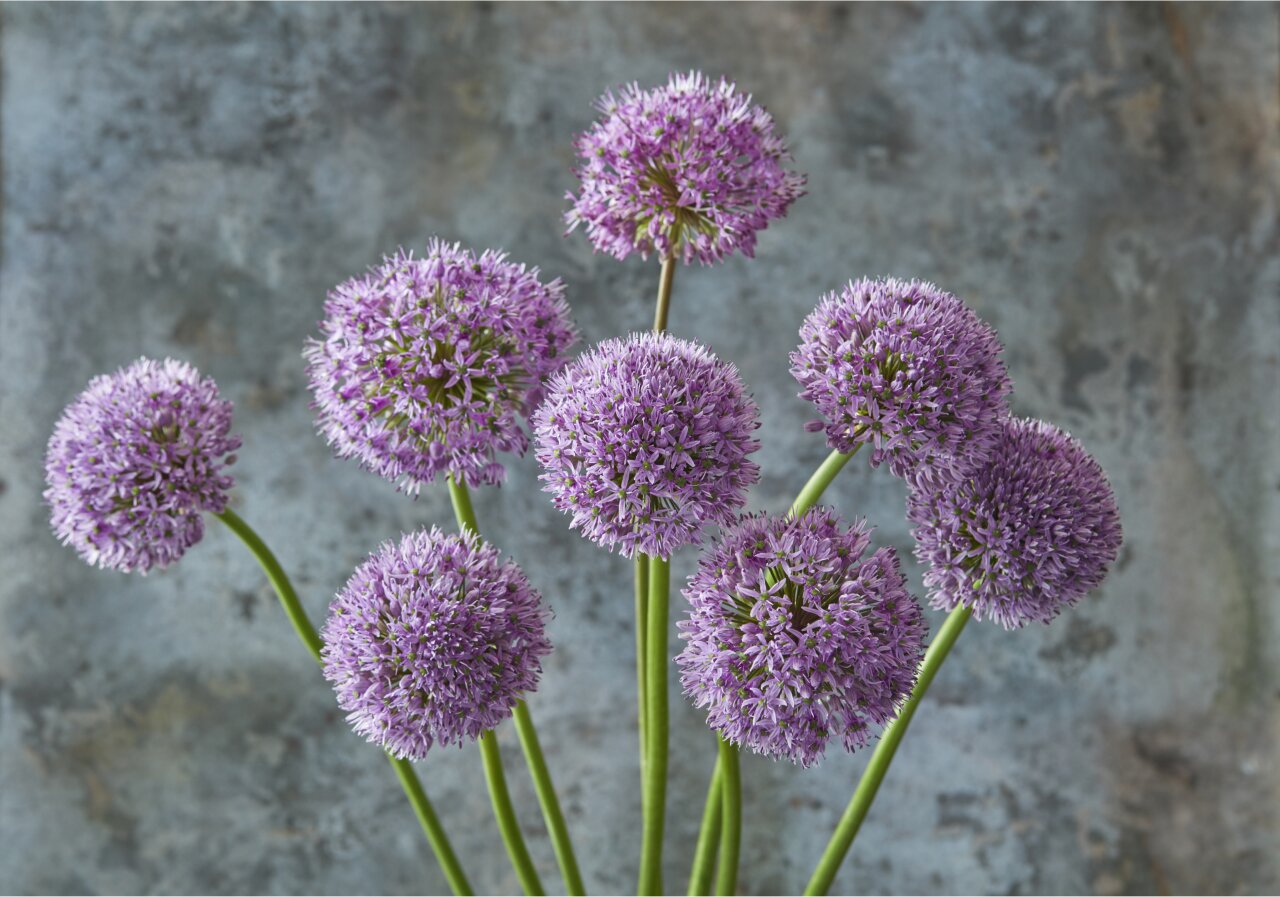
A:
[910,370]
[135,461]
[691,169]
[428,366]
[795,638]
[644,442]
[1022,537]
[434,639]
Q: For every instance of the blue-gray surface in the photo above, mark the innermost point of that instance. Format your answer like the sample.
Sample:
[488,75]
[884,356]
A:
[1101,182]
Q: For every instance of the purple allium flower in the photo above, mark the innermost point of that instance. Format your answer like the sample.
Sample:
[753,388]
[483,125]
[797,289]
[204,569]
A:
[426,366]
[693,163]
[433,639]
[1022,537]
[794,638]
[644,442]
[135,461]
[907,368]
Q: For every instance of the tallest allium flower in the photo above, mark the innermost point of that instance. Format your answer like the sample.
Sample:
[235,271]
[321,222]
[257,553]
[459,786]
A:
[427,366]
[691,169]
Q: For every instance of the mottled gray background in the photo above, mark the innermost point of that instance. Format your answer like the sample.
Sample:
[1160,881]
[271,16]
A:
[1101,182]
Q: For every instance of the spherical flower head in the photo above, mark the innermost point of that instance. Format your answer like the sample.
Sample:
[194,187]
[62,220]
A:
[433,640]
[644,442]
[909,369]
[795,637]
[135,461]
[691,170]
[1022,537]
[428,366]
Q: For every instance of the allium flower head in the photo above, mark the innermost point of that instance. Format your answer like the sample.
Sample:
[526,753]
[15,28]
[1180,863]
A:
[795,638]
[644,442]
[1022,537]
[691,169]
[433,639]
[135,461]
[907,368]
[426,366]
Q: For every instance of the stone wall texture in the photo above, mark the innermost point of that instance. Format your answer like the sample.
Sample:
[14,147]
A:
[1099,181]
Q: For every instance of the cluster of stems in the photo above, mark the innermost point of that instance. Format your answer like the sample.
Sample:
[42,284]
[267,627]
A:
[715,860]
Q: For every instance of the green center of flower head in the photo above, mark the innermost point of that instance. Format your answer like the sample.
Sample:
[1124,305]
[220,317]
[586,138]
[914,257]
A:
[738,608]
[687,220]
[487,387]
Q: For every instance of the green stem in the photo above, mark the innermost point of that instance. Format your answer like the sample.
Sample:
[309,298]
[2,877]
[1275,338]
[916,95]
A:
[279,581]
[465,514]
[820,480]
[664,292]
[413,789]
[655,785]
[642,617]
[874,774]
[431,826]
[551,813]
[704,855]
[731,825]
[505,813]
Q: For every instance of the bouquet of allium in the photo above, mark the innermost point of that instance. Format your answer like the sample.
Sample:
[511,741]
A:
[797,632]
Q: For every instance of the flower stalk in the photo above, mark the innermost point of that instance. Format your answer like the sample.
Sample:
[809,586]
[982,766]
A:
[665,281]
[310,639]
[873,775]
[731,824]
[552,815]
[505,813]
[704,854]
[655,785]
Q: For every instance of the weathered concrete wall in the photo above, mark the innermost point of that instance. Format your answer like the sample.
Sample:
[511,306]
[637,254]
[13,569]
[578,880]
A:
[1100,181]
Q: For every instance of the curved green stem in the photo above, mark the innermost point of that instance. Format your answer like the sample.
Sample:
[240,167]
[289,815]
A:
[551,813]
[874,774]
[820,480]
[279,581]
[413,789]
[664,293]
[465,514]
[731,825]
[655,785]
[431,826]
[505,813]
[642,616]
[704,855]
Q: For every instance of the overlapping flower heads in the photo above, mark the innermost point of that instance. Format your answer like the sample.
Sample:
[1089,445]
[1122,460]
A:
[645,441]
[1024,536]
[907,368]
[135,461]
[433,640]
[691,169]
[794,638]
[426,366]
